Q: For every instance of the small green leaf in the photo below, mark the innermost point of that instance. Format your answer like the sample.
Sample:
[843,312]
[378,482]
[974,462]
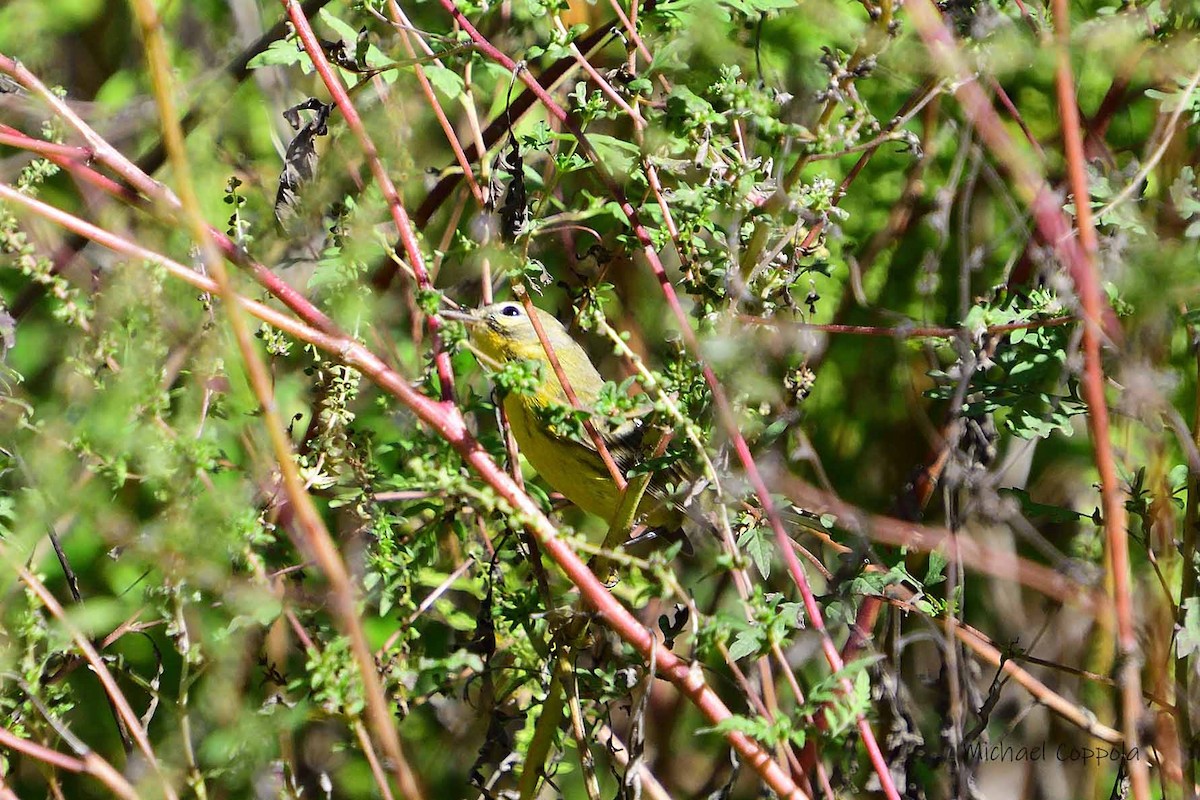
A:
[347,33]
[758,544]
[446,81]
[1052,514]
[748,643]
[935,572]
[281,53]
[617,154]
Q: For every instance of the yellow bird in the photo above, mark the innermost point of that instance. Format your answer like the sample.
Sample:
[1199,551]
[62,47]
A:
[503,333]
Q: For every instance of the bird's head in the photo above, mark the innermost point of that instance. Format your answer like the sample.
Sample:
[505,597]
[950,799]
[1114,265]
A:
[503,331]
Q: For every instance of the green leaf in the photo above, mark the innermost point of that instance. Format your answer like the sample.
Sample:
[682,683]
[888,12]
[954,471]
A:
[618,155]
[935,572]
[280,53]
[445,80]
[760,546]
[748,642]
[346,32]
[1034,510]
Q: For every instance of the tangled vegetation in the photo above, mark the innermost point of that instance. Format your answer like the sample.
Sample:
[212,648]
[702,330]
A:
[906,290]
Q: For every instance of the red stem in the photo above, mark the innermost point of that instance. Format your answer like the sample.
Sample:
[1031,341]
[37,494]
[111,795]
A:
[1077,254]
[39,751]
[447,420]
[408,237]
[724,408]
[403,27]
[601,448]
[14,138]
[1087,284]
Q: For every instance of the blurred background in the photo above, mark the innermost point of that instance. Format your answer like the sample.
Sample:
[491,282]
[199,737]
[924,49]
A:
[900,342]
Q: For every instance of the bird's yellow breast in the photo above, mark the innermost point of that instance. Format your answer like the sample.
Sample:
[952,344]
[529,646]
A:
[575,469]
[504,334]
[570,467]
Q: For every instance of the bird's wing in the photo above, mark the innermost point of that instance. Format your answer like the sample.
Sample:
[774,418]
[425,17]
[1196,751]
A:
[631,443]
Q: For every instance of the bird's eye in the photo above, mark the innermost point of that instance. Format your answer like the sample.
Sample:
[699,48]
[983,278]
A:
[511,311]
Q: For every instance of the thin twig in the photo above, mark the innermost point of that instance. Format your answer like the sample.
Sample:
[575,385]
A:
[435,105]
[364,742]
[96,663]
[1168,136]
[1091,295]
[90,763]
[902,331]
[307,520]
[597,440]
[404,226]
[447,421]
[1187,589]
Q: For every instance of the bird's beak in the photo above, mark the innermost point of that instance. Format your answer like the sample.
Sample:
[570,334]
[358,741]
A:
[459,316]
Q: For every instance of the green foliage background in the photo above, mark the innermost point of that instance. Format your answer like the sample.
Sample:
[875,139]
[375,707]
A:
[129,431]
